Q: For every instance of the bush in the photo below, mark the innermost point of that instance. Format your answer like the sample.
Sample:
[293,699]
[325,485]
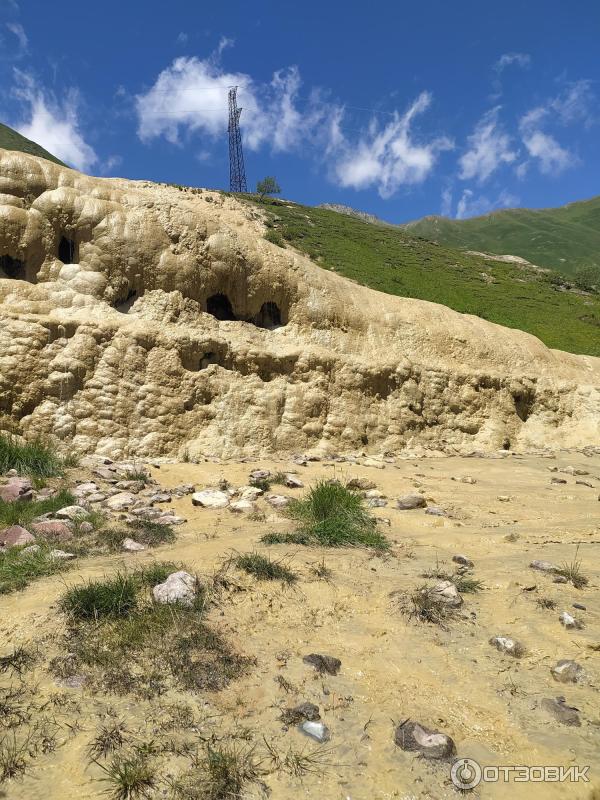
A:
[34,458]
[333,516]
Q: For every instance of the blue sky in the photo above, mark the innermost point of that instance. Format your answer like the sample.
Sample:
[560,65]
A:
[398,109]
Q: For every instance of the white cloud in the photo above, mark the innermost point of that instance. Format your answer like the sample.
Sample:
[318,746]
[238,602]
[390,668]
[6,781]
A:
[190,97]
[446,209]
[17,30]
[574,103]
[489,148]
[553,159]
[471,206]
[182,38]
[507,59]
[53,125]
[388,157]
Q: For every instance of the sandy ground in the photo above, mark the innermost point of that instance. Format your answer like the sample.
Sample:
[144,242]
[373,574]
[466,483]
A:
[393,668]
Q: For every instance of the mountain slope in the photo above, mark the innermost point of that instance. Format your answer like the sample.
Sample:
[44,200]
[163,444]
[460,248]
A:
[392,260]
[566,239]
[11,140]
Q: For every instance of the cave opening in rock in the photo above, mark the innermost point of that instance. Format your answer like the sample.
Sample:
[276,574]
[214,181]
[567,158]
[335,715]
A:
[67,252]
[124,305]
[269,316]
[220,307]
[12,268]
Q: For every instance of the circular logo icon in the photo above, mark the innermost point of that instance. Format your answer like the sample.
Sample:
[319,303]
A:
[465,773]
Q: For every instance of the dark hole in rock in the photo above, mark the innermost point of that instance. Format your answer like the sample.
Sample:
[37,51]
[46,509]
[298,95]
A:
[208,359]
[524,405]
[269,316]
[220,307]
[67,252]
[12,268]
[123,306]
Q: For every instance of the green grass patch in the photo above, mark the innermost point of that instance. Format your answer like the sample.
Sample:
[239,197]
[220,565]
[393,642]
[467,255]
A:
[331,515]
[19,568]
[110,597]
[265,569]
[36,458]
[393,260]
[125,642]
[22,512]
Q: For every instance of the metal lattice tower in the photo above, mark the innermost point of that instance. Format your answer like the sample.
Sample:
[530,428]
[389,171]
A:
[237,172]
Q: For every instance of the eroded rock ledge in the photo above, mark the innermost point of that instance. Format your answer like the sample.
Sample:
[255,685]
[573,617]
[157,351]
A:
[179,328]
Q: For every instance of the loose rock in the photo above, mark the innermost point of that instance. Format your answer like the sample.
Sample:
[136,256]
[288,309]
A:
[132,546]
[566,715]
[300,713]
[507,645]
[210,498]
[323,663]
[567,671]
[53,529]
[121,501]
[544,566]
[180,587]
[410,501]
[316,730]
[570,622]
[414,737]
[462,560]
[15,536]
[71,512]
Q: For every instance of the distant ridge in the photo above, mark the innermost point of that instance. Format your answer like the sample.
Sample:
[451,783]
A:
[11,140]
[566,238]
[353,212]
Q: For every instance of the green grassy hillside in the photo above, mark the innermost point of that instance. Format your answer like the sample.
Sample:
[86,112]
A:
[11,140]
[392,260]
[566,239]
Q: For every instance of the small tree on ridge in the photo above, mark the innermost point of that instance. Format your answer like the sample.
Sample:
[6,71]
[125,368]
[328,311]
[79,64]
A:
[267,186]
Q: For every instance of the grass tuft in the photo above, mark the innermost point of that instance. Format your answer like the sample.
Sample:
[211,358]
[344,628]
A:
[22,513]
[111,597]
[108,739]
[18,567]
[331,515]
[222,774]
[36,458]
[264,569]
[128,778]
[572,571]
[425,606]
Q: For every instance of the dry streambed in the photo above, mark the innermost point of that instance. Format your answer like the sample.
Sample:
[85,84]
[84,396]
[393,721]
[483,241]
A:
[203,637]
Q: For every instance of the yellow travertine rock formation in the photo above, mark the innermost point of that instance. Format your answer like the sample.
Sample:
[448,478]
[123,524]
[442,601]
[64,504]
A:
[138,319]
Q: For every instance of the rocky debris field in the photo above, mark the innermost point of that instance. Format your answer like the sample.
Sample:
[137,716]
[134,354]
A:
[343,626]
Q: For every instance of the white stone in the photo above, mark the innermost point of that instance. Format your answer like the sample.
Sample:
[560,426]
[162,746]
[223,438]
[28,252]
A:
[278,500]
[132,545]
[120,501]
[71,512]
[180,587]
[210,498]
[242,506]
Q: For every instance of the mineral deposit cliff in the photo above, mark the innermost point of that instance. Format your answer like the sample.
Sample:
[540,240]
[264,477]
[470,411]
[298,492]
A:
[139,319]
